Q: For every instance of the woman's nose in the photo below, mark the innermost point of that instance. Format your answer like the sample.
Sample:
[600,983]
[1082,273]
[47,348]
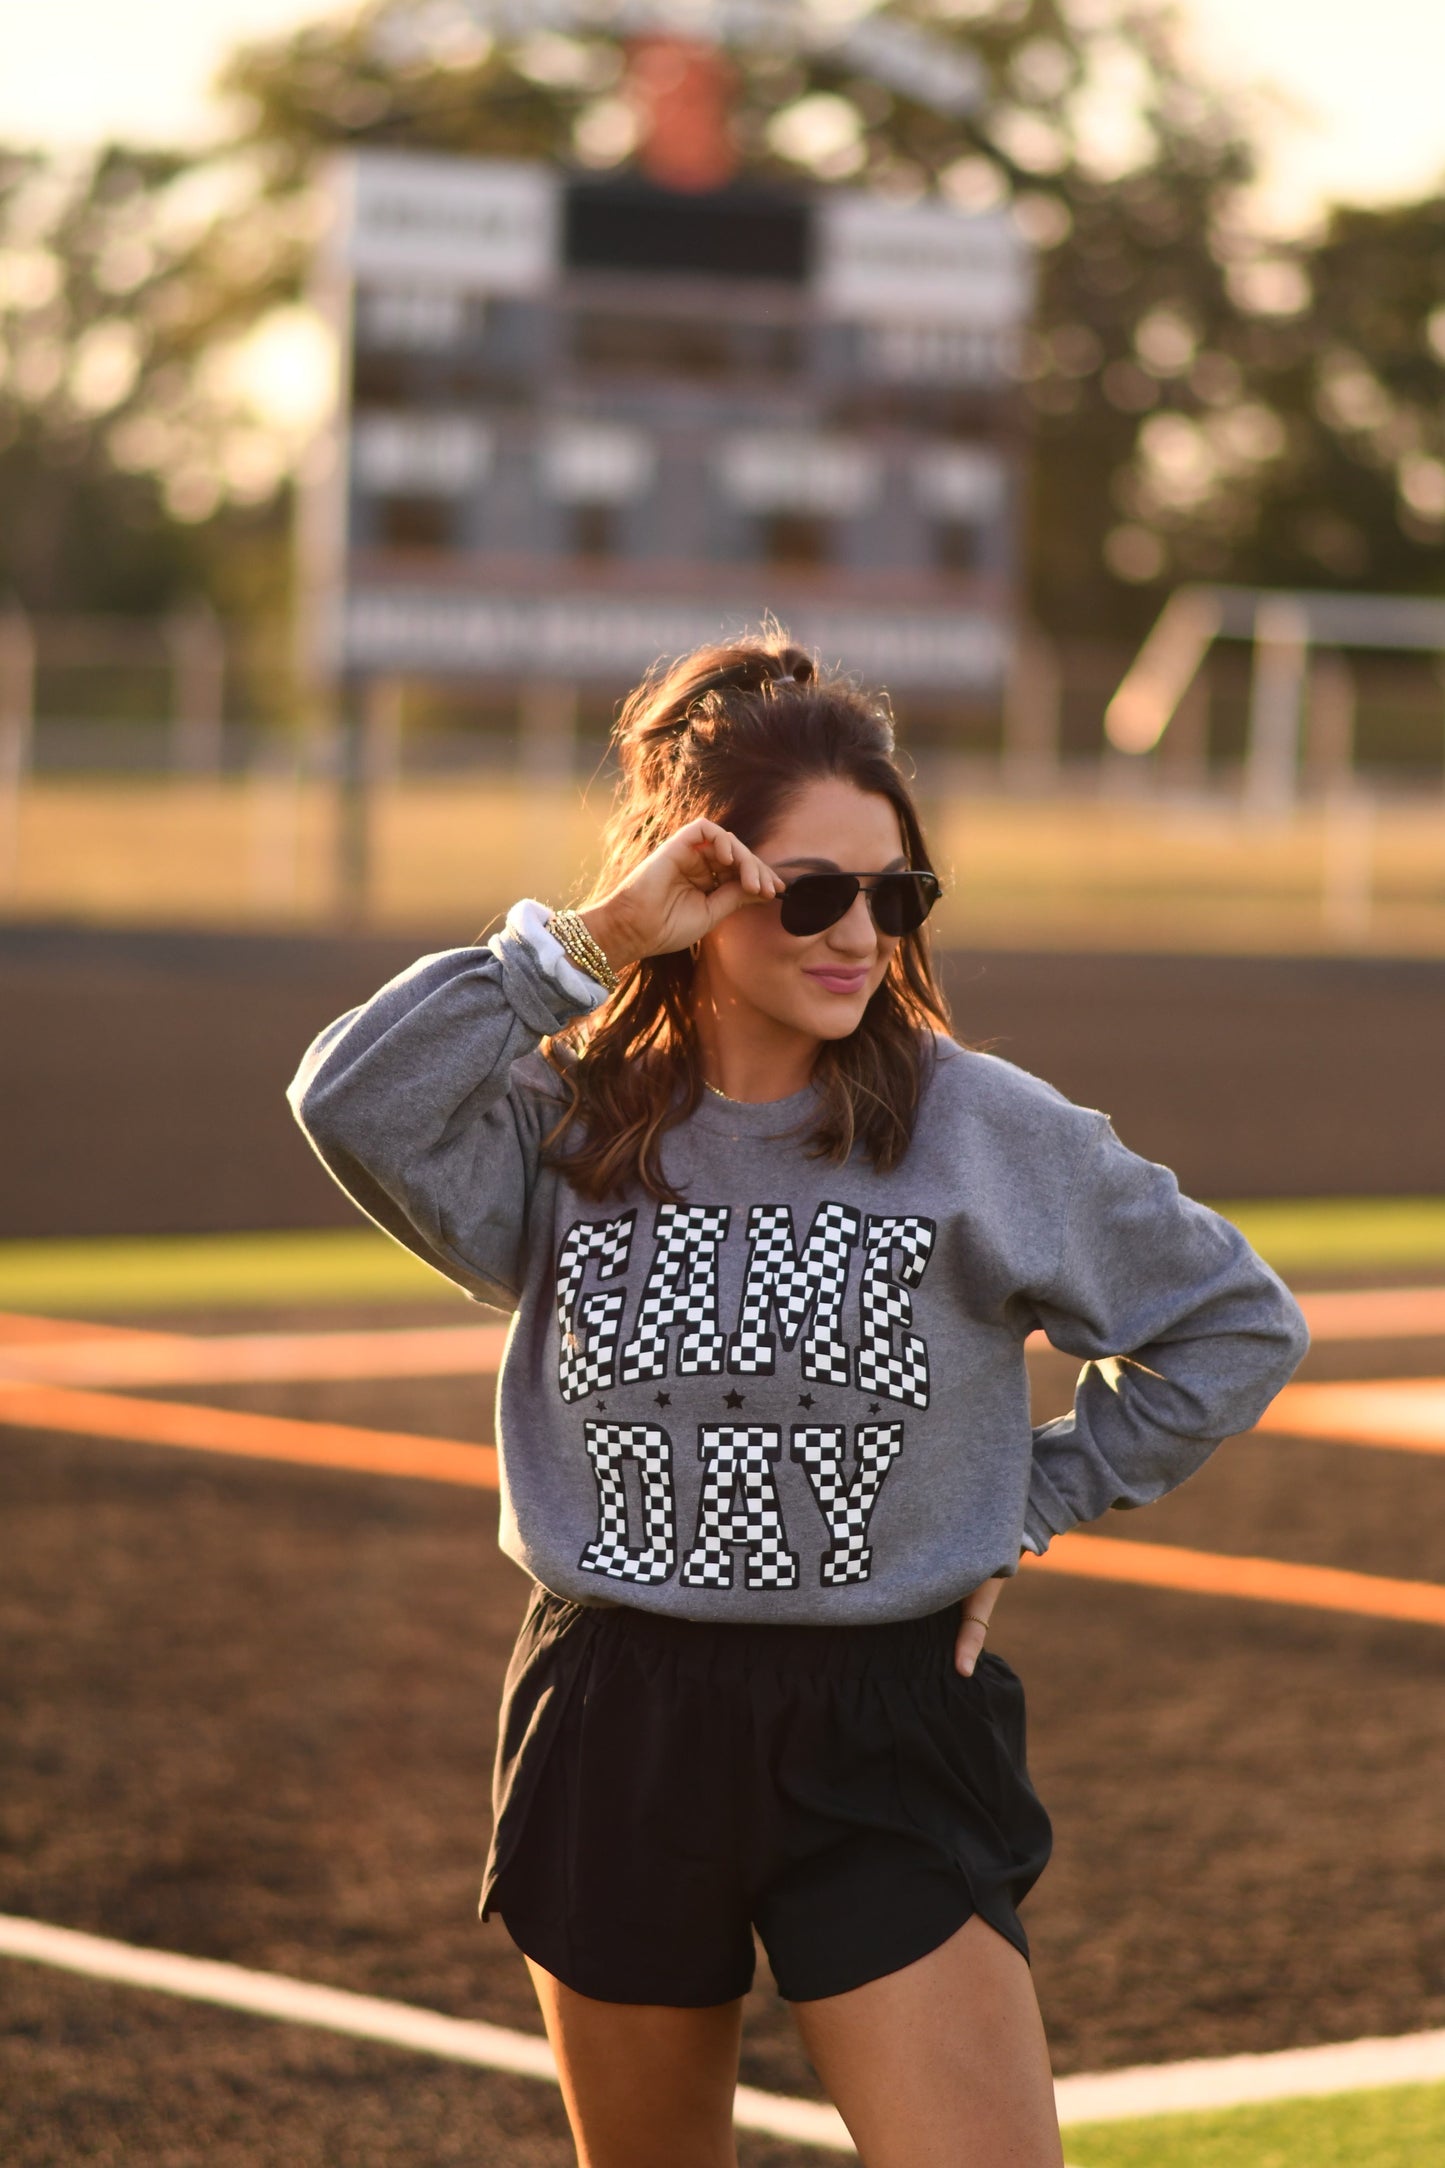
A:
[855,933]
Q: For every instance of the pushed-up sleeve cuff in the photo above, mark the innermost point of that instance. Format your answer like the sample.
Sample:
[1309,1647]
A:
[528,920]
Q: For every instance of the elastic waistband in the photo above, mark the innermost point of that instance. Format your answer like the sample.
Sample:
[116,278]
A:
[891,1647]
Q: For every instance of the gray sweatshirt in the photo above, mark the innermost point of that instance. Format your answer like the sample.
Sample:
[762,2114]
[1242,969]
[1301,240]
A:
[800,1394]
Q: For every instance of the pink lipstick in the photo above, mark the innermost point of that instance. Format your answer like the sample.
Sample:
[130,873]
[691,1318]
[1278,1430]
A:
[840,982]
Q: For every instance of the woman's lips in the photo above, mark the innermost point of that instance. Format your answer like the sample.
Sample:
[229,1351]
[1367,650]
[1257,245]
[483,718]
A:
[840,982]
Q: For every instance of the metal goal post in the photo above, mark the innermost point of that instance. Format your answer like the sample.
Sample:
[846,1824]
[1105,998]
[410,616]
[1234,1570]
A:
[1284,628]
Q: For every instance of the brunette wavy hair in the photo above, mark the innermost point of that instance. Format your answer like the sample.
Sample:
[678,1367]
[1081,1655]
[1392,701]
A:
[730,733]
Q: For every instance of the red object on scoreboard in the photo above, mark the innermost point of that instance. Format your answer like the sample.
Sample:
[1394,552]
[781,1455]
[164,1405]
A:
[682,92]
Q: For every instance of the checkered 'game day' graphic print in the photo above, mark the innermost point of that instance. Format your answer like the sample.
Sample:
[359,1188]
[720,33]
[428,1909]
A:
[847,1506]
[681,1290]
[884,1304]
[610,1444]
[589,1330]
[790,1298]
[739,1506]
[779,1280]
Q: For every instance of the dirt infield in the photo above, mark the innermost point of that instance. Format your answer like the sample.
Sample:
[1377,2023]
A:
[145,1071]
[250,1716]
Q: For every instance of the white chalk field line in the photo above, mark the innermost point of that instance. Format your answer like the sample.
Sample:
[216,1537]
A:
[1108,2096]
[364,2017]
[1241,2081]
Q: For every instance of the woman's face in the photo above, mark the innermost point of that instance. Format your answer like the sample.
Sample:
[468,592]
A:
[814,984]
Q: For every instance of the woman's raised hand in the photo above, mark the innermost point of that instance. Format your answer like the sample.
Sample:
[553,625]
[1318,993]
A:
[679,894]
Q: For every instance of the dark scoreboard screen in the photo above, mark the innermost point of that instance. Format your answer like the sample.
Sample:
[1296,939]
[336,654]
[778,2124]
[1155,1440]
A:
[737,234]
[588,422]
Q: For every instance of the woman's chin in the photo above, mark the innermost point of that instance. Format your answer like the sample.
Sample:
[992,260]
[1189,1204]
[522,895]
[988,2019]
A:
[834,1016]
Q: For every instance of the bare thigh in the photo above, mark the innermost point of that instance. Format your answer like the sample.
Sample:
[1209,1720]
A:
[646,2085]
[944,2064]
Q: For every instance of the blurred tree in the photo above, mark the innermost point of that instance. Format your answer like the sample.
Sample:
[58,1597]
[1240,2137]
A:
[132,472]
[1202,405]
[1344,421]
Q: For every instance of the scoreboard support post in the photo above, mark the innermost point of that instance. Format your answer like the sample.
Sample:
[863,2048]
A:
[1032,713]
[368,765]
[353,839]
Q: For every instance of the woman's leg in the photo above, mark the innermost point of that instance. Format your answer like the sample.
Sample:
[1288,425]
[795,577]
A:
[646,2085]
[944,2064]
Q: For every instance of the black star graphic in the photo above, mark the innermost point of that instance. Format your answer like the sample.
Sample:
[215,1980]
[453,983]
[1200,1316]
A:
[664,1400]
[873,1407]
[734,1398]
[602,1403]
[805,1400]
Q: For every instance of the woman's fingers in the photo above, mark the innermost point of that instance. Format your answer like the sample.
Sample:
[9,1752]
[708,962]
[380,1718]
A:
[728,857]
[753,880]
[968,1647]
[711,845]
[973,1626]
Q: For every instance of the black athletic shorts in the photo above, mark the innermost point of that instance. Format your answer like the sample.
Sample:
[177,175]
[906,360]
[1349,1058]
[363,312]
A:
[662,1787]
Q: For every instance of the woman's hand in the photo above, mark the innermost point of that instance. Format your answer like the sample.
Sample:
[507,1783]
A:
[679,894]
[977,1605]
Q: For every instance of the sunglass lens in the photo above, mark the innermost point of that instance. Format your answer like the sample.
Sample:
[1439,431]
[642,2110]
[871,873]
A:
[902,901]
[814,901]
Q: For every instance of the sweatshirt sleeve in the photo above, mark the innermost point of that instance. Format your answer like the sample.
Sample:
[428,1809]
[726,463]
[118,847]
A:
[1188,1336]
[410,1103]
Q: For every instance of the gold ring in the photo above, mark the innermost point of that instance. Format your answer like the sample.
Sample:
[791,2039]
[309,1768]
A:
[973,1619]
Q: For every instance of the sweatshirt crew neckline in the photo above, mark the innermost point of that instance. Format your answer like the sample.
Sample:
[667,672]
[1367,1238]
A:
[753,1117]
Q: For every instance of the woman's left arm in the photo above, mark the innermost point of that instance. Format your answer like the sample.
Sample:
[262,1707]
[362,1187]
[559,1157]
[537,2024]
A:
[1187,1334]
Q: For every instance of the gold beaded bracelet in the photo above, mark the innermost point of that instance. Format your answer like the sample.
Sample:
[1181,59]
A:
[580,948]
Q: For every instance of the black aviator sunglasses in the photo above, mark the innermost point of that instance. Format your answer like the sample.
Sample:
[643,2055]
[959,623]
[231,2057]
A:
[899,902]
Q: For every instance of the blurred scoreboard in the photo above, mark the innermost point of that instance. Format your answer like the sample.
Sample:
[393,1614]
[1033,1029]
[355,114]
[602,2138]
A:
[588,422]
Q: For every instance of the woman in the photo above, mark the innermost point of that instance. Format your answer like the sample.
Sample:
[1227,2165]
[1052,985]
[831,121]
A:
[773,1242]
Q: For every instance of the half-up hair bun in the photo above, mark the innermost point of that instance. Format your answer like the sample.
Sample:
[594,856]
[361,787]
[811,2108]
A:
[680,707]
[793,665]
[753,667]
[729,729]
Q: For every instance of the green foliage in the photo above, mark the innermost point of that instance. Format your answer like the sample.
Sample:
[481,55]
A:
[121,280]
[1401,2128]
[1358,498]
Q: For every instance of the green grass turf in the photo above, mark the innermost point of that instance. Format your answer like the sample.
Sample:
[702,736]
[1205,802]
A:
[1349,1235]
[1402,2127]
[1346,1234]
[173,1272]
